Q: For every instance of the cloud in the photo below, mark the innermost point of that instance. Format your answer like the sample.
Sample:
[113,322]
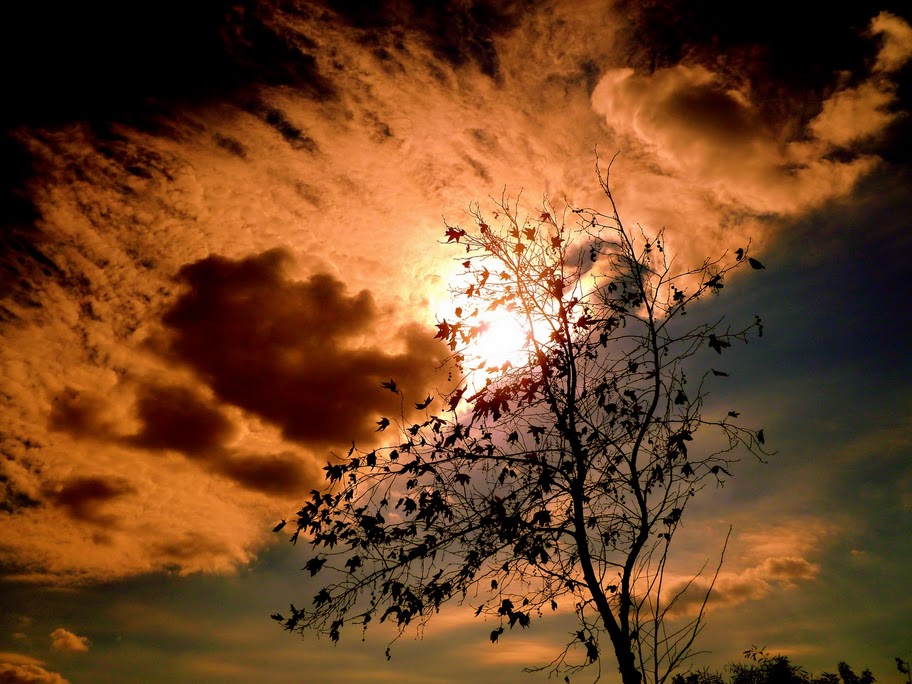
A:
[84,497]
[18,659]
[171,418]
[64,640]
[305,355]
[855,113]
[896,48]
[12,673]
[700,145]
[732,589]
[176,418]
[712,139]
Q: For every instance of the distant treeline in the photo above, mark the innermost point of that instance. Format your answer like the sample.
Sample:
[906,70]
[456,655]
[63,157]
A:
[762,668]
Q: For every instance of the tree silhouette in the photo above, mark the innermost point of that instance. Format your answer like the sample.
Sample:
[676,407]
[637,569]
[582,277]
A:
[551,482]
[763,668]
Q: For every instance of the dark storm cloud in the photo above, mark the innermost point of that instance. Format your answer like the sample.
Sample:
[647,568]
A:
[280,474]
[80,414]
[176,418]
[83,498]
[172,418]
[457,31]
[783,50]
[94,60]
[294,352]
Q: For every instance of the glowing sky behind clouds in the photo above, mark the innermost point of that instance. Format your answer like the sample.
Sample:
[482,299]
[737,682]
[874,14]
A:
[220,230]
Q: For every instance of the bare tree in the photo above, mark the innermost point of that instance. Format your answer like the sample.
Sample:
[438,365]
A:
[556,480]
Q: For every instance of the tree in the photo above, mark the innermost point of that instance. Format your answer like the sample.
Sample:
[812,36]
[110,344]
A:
[559,480]
[764,668]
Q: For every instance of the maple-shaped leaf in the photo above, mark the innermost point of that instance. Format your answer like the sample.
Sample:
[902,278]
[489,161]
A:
[536,431]
[314,565]
[519,248]
[513,438]
[545,216]
[483,227]
[556,242]
[455,398]
[754,263]
[391,386]
[718,344]
[424,404]
[383,423]
[496,633]
[733,414]
[454,234]
[443,331]
[680,398]
[529,233]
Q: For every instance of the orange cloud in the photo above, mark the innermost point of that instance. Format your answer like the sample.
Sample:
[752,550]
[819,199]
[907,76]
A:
[65,640]
[29,673]
[735,588]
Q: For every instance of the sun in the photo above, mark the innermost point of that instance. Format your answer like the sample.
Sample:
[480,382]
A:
[502,339]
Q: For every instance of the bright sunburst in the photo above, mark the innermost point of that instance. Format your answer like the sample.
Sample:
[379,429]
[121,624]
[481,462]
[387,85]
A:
[502,340]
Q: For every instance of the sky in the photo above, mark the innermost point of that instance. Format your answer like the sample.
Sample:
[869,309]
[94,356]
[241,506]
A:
[219,232]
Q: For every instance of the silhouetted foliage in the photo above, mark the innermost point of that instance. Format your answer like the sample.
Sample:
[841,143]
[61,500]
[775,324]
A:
[903,667]
[552,483]
[763,668]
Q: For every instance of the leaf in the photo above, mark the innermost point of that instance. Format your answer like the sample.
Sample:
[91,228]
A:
[279,526]
[739,254]
[443,331]
[718,344]
[314,565]
[754,263]
[760,437]
[454,234]
[455,398]
[424,404]
[733,414]
[718,372]
[383,423]
[391,386]
[496,633]
[592,652]
[680,398]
